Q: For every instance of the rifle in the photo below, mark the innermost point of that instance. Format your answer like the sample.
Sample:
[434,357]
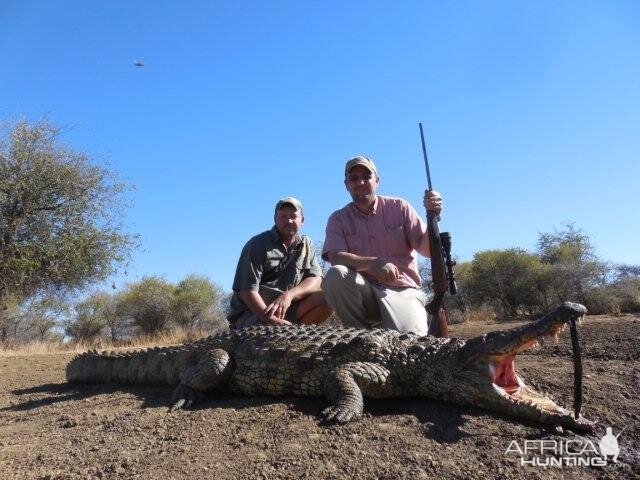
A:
[441,263]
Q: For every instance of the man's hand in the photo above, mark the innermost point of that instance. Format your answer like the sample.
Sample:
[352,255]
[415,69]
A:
[259,309]
[278,308]
[432,201]
[385,271]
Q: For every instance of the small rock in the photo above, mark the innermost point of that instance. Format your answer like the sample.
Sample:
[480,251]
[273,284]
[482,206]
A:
[67,421]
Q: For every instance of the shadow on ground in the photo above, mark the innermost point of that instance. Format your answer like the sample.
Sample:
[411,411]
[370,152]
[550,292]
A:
[442,423]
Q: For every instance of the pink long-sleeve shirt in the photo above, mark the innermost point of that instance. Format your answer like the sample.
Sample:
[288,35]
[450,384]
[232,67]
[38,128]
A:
[393,232]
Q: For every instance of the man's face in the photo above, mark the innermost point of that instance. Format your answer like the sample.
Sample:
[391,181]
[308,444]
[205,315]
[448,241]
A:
[361,184]
[288,221]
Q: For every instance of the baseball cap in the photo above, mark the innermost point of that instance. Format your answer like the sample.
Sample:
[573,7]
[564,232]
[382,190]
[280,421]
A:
[294,202]
[366,162]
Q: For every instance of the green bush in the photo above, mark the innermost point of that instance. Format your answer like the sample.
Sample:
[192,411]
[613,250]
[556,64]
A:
[628,292]
[510,280]
[601,301]
[148,303]
[198,304]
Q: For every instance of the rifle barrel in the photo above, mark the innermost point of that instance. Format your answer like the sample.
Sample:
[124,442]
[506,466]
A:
[424,154]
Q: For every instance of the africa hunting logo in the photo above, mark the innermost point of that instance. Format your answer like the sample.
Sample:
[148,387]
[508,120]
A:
[577,452]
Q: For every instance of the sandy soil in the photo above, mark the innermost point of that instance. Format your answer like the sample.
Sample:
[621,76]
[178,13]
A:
[50,430]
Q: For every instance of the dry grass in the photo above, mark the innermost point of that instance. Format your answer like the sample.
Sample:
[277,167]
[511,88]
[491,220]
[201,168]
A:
[39,348]
[482,314]
[172,337]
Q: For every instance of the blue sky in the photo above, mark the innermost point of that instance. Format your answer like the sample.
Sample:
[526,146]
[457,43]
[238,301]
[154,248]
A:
[531,113]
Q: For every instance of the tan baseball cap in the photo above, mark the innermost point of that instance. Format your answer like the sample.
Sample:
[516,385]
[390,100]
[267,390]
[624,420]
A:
[290,201]
[366,162]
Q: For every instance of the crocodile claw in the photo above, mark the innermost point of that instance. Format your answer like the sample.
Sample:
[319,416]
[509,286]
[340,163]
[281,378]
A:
[339,414]
[184,397]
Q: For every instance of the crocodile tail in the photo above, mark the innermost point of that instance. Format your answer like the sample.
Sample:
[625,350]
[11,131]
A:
[142,367]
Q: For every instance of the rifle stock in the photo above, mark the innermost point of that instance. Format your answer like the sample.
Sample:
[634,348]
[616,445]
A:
[438,324]
[439,265]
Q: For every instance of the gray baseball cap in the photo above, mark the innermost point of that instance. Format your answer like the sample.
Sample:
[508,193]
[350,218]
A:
[290,201]
[366,162]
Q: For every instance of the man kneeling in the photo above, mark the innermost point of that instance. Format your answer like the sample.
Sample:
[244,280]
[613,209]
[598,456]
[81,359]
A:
[278,276]
[372,244]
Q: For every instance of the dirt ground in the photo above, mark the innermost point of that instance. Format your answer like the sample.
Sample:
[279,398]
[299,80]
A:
[50,430]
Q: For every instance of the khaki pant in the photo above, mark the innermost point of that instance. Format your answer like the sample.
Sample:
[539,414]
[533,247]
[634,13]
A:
[268,295]
[360,303]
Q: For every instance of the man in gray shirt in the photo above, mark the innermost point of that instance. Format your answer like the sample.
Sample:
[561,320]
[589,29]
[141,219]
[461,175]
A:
[278,276]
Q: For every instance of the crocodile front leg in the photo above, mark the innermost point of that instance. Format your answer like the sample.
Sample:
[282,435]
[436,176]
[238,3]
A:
[211,370]
[343,389]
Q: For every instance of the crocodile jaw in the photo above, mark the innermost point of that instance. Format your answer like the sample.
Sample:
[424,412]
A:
[511,394]
[490,371]
[511,386]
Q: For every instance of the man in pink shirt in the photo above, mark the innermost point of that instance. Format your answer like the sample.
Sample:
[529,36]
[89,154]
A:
[371,244]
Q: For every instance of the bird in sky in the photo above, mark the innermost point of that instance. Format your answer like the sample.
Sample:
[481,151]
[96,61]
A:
[138,63]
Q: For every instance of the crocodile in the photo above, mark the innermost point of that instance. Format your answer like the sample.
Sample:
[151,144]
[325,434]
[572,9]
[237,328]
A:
[345,364]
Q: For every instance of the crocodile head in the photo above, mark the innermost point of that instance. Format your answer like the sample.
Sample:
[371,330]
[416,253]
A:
[482,372]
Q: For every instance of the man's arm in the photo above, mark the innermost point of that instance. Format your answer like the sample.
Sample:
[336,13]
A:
[374,266]
[305,287]
[418,238]
[254,302]
[280,305]
[247,282]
